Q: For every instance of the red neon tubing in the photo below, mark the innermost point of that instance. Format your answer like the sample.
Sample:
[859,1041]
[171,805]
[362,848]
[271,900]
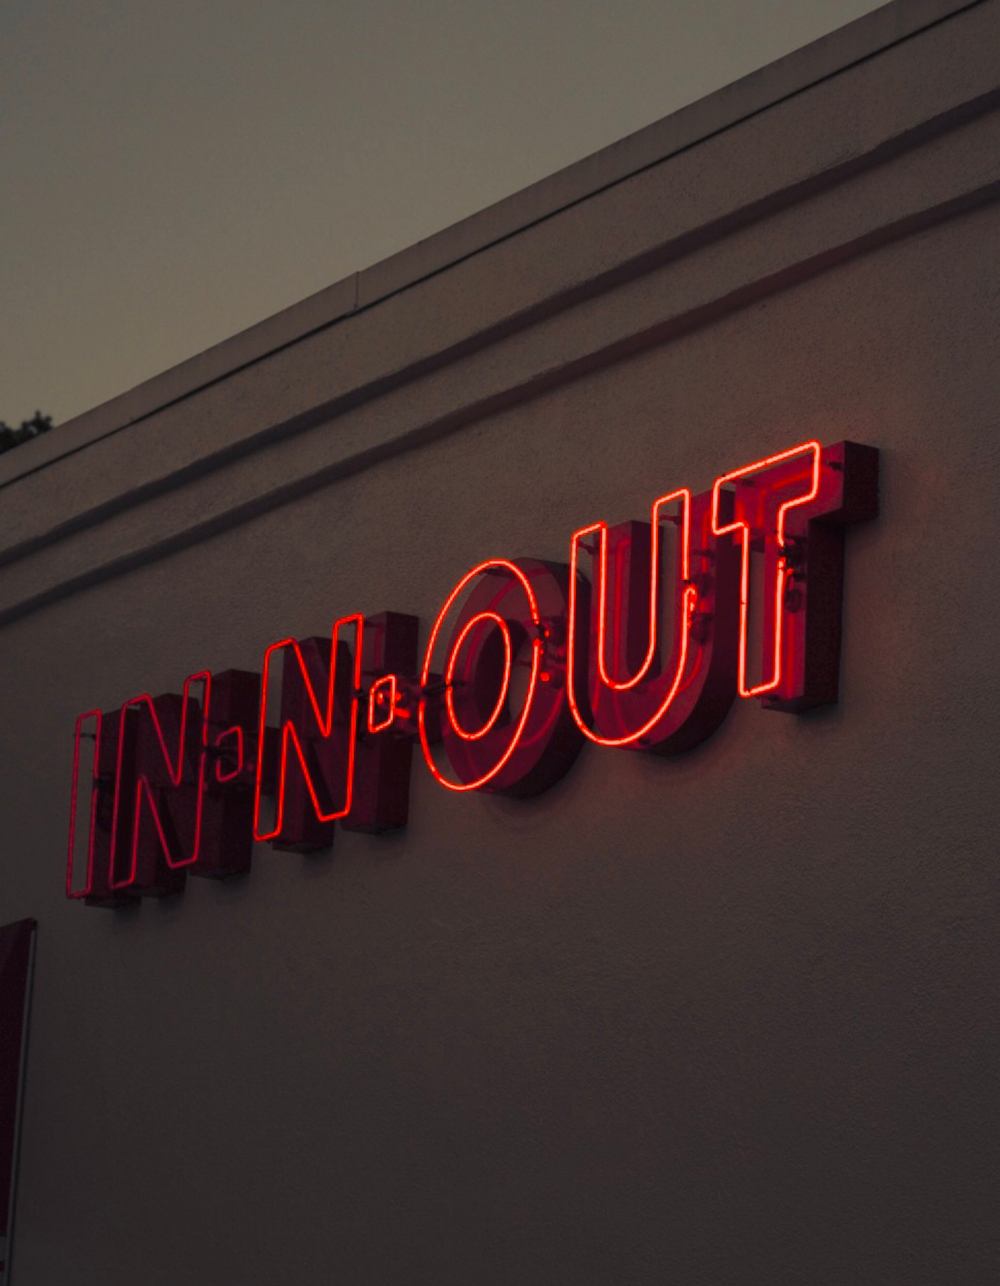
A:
[744,530]
[325,725]
[389,681]
[142,785]
[536,658]
[74,801]
[688,602]
[449,695]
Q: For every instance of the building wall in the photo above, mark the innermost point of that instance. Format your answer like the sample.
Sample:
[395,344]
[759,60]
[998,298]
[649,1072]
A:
[728,1017]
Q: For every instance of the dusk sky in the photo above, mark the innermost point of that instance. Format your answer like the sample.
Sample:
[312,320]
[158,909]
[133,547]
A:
[175,171]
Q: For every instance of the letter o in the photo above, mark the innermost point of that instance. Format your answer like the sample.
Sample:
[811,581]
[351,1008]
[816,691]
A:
[511,607]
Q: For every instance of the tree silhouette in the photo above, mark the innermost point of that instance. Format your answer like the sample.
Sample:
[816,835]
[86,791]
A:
[9,437]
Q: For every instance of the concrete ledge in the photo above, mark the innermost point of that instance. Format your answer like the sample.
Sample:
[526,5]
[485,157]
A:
[826,57]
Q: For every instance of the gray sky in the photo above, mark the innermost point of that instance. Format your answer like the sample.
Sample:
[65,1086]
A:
[175,170]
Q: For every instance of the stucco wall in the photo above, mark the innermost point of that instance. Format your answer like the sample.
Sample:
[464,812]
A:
[723,1018]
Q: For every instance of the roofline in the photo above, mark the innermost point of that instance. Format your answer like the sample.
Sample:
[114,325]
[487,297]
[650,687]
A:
[828,56]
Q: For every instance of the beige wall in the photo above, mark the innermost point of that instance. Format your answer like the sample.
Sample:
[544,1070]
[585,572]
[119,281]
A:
[725,1018]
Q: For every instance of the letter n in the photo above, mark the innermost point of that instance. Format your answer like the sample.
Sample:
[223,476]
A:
[160,782]
[308,762]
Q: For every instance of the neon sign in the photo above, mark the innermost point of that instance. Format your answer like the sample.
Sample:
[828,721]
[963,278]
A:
[642,641]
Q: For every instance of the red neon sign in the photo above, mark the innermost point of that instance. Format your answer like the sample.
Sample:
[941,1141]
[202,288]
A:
[512,617]
[380,799]
[634,691]
[736,591]
[159,789]
[96,783]
[316,742]
[228,806]
[156,810]
[793,507]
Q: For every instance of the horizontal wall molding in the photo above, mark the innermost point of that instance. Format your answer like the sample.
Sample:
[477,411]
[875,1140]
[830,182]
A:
[423,434]
[932,155]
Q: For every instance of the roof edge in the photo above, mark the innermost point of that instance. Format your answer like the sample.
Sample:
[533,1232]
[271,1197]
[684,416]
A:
[791,74]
